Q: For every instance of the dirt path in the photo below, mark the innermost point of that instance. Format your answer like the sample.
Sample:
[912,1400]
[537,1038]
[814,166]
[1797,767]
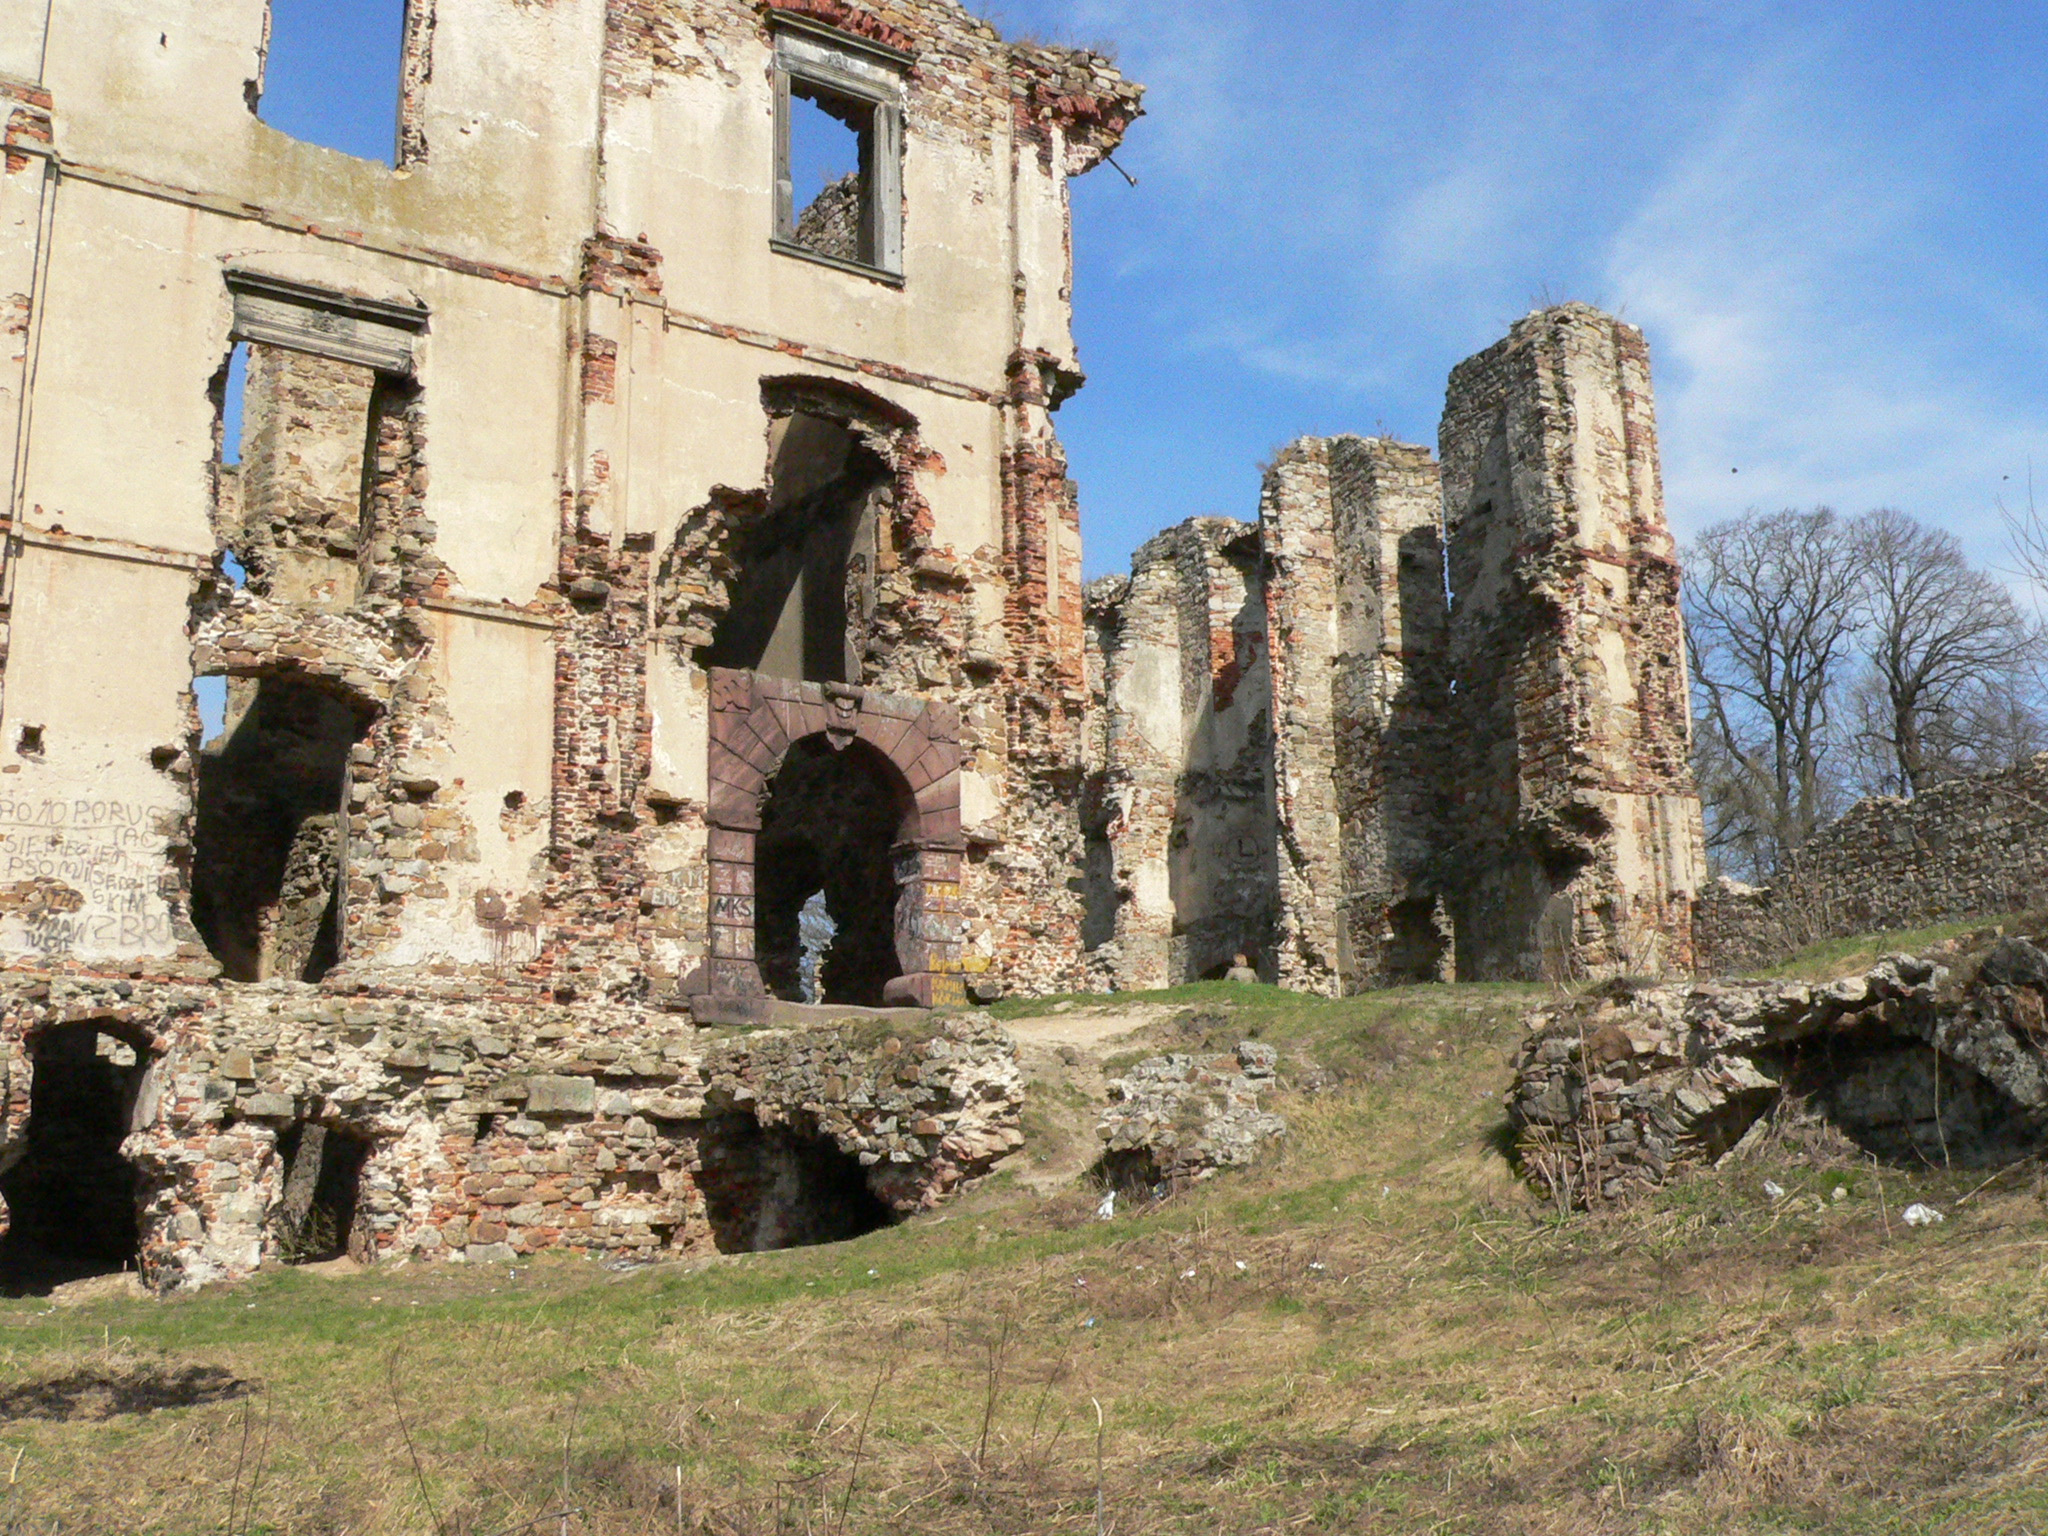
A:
[1062,1055]
[1088,1029]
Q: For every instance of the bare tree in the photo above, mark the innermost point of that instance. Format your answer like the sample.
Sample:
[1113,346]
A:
[1773,604]
[1945,643]
[2026,531]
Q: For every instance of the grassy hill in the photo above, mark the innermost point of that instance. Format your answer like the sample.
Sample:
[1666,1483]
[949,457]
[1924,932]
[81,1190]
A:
[1377,1330]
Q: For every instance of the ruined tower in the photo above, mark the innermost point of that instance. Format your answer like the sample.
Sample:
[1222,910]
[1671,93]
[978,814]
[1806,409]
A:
[1355,611]
[1573,817]
[1472,743]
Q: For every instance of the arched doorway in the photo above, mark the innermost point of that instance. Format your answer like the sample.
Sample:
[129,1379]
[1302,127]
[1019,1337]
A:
[830,825]
[898,763]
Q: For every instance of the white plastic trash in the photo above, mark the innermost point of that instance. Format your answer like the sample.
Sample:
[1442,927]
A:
[1773,1189]
[1923,1216]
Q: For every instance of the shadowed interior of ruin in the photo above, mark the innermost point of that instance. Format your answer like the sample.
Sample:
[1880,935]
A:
[1896,1097]
[782,1187]
[268,856]
[323,1171]
[805,589]
[831,823]
[71,1196]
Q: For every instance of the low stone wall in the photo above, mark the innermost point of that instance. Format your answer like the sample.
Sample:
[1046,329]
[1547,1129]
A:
[494,1128]
[1972,848]
[1915,1061]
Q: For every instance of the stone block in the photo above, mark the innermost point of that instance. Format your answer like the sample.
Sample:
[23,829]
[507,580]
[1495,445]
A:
[561,1096]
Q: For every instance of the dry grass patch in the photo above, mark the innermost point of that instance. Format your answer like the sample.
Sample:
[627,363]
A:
[1377,1330]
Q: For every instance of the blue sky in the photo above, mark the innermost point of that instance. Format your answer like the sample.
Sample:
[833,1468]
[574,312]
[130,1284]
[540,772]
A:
[1828,217]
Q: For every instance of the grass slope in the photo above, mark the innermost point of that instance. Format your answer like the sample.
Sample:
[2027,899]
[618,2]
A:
[1377,1331]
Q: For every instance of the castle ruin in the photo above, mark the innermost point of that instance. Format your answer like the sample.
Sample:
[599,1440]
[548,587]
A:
[1423,719]
[476,626]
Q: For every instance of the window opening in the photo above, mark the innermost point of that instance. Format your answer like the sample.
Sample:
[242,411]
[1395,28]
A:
[829,827]
[269,851]
[831,140]
[331,74]
[767,1189]
[323,1175]
[839,151]
[805,591]
[72,1199]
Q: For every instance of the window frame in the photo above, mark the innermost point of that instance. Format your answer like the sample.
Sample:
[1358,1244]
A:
[876,77]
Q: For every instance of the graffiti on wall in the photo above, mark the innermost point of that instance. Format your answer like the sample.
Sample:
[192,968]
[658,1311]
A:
[81,876]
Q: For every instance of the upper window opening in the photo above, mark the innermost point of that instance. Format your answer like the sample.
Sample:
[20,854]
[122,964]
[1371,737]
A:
[331,76]
[839,152]
[830,139]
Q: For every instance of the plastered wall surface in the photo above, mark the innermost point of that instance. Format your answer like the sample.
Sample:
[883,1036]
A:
[408,685]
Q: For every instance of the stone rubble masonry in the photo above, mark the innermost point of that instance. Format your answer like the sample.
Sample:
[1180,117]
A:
[1970,848]
[1177,1120]
[1491,785]
[1356,615]
[498,1126]
[1577,828]
[1913,1060]
[1179,805]
[298,524]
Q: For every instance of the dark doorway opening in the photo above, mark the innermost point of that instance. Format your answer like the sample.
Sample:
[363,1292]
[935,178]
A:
[323,1177]
[1420,942]
[777,1187]
[269,851]
[1898,1098]
[830,825]
[805,589]
[72,1199]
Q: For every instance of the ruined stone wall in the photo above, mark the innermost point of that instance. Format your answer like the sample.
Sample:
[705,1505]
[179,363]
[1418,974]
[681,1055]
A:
[1181,798]
[524,593]
[498,1127]
[1471,730]
[1975,847]
[511,421]
[1356,609]
[1578,834]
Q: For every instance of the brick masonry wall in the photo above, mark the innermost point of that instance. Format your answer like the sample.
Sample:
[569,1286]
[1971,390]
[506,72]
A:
[497,1126]
[1578,829]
